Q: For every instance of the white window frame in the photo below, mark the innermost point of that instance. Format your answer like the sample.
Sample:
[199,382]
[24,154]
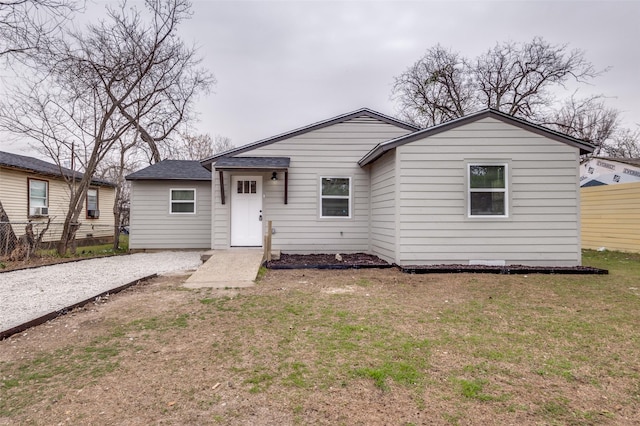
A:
[171,200]
[504,190]
[336,197]
[97,202]
[46,196]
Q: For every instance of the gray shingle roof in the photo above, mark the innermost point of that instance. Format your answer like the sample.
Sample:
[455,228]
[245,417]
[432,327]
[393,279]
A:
[271,163]
[172,170]
[35,165]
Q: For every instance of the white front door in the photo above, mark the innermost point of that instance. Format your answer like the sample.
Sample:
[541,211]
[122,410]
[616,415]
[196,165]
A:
[246,211]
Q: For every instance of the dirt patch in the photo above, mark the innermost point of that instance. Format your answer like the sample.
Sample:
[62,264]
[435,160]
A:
[504,270]
[39,261]
[354,347]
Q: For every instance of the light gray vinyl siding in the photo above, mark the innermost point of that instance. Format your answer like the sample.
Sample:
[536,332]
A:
[153,227]
[383,207]
[543,223]
[332,151]
[221,217]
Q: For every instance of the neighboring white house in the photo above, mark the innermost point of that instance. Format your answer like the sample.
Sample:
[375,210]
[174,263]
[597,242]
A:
[486,188]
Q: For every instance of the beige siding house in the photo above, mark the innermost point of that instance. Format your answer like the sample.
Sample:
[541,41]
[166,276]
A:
[35,191]
[610,194]
[484,189]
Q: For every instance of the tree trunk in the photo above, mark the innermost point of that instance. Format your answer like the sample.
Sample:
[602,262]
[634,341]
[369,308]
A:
[116,219]
[67,239]
[71,224]
[8,239]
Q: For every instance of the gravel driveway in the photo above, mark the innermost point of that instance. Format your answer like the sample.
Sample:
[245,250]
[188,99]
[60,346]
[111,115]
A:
[31,293]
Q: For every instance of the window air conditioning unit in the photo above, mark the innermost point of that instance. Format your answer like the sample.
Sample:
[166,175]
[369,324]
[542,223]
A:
[95,214]
[41,211]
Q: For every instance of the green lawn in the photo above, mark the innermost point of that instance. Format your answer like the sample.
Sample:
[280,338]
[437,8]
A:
[93,250]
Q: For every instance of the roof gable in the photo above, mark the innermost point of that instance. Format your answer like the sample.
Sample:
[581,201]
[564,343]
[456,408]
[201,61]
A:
[383,147]
[363,112]
[34,165]
[172,170]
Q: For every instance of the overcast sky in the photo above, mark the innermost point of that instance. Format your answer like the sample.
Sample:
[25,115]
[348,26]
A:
[280,65]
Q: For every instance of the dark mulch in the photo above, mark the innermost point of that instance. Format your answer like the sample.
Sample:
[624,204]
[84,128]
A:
[327,261]
[363,260]
[507,270]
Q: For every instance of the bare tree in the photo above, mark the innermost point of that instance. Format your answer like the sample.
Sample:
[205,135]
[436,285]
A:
[624,144]
[26,24]
[588,119]
[437,88]
[220,144]
[517,78]
[514,78]
[123,159]
[123,75]
[198,147]
[165,72]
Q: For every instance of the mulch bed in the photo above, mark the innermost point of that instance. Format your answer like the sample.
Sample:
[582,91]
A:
[328,261]
[363,260]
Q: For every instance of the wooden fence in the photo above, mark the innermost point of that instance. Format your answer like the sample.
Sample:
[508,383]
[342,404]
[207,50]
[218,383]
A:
[610,217]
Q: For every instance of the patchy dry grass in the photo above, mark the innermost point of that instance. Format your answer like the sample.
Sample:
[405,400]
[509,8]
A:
[341,347]
[51,256]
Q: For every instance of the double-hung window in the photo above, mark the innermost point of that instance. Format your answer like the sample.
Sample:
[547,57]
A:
[92,203]
[183,201]
[335,197]
[38,197]
[488,190]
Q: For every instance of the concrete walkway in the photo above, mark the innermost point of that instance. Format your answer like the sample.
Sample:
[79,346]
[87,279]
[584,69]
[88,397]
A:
[231,268]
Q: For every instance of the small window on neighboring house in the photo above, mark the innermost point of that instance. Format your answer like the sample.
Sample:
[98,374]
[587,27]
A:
[38,197]
[488,190]
[335,197]
[92,204]
[183,201]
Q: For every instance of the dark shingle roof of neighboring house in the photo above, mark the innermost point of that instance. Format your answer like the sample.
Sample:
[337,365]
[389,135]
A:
[383,147]
[362,112]
[172,170]
[34,165]
[593,183]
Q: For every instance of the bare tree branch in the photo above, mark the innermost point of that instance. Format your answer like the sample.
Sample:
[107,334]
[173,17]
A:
[437,88]
[198,147]
[519,79]
[26,24]
[125,77]
[514,78]
[588,119]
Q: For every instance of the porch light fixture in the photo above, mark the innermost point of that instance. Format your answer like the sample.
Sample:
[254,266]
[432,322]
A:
[274,176]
